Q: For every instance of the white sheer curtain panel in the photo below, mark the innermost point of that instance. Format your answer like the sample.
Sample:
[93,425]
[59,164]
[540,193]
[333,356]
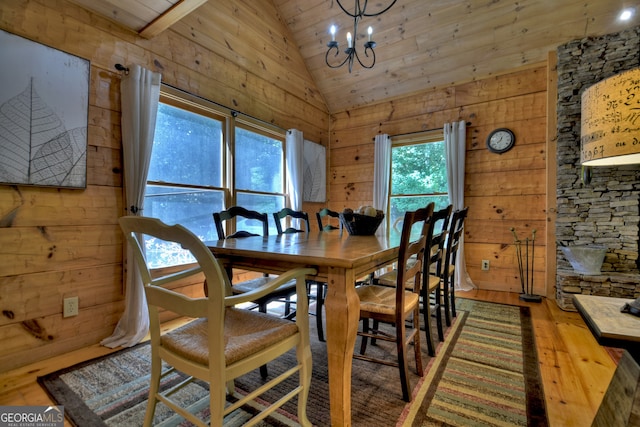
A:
[455,150]
[295,167]
[381,177]
[140,95]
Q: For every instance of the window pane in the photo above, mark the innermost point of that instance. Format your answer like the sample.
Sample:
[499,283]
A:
[192,208]
[399,205]
[187,148]
[418,169]
[261,203]
[259,162]
[162,254]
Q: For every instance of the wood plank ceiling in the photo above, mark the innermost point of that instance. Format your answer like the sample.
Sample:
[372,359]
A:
[421,44]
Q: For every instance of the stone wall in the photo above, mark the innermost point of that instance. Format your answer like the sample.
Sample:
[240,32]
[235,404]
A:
[605,210]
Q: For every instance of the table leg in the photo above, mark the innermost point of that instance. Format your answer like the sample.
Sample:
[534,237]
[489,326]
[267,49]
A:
[342,306]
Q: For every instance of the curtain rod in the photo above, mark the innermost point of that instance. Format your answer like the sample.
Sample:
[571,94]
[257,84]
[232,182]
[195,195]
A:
[416,132]
[420,131]
[121,67]
[234,113]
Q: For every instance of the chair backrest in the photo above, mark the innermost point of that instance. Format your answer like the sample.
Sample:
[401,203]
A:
[238,211]
[456,230]
[288,213]
[443,219]
[436,241]
[412,251]
[160,292]
[326,213]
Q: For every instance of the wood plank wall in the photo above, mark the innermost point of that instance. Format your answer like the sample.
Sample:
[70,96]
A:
[502,191]
[58,243]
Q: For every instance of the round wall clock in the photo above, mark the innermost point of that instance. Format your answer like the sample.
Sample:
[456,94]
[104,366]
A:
[500,140]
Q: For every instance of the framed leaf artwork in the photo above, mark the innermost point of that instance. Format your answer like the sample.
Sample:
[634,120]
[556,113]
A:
[44,101]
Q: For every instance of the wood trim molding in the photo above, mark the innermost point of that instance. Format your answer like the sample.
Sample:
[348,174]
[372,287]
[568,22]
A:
[552,172]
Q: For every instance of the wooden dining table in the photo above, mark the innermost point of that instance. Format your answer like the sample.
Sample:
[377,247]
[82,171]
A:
[340,259]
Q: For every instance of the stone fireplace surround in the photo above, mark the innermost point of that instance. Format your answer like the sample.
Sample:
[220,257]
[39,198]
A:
[604,211]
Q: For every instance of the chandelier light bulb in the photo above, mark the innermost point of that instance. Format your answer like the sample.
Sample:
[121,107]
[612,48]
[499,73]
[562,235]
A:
[626,14]
[369,31]
[349,40]
[332,30]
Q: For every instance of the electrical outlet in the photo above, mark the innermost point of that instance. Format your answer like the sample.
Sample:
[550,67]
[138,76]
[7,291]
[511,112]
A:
[70,307]
[485,265]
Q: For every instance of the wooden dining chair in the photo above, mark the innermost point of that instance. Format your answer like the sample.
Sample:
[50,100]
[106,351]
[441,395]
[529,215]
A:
[456,230]
[222,342]
[395,305]
[434,264]
[219,219]
[432,298]
[429,293]
[326,213]
[287,289]
[290,216]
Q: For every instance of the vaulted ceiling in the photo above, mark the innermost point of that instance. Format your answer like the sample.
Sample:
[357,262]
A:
[420,43]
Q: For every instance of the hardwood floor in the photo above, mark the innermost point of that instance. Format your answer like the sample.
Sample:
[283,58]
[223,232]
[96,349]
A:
[575,370]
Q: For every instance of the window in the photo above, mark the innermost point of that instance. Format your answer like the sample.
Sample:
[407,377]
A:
[418,175]
[199,167]
[259,175]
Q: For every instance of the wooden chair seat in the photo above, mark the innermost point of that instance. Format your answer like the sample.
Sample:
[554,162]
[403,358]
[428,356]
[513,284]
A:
[391,277]
[376,299]
[451,269]
[245,333]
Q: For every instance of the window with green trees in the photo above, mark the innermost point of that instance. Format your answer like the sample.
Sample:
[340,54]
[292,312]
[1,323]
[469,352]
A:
[418,175]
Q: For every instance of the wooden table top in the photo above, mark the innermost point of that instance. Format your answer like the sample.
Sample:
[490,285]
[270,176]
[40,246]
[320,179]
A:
[607,323]
[316,248]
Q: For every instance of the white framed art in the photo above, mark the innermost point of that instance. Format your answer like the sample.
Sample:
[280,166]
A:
[315,172]
[44,102]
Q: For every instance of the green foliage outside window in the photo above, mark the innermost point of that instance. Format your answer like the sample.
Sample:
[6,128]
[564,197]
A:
[418,177]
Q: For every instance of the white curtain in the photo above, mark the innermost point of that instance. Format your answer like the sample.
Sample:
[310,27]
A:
[295,167]
[381,176]
[455,149]
[140,94]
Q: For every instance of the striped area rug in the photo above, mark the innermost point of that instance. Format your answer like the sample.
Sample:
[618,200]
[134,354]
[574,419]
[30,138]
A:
[488,375]
[112,391]
[484,374]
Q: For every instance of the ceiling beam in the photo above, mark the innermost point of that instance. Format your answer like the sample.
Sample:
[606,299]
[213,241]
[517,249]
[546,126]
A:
[172,15]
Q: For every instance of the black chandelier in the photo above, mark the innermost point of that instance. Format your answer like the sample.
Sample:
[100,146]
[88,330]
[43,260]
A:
[359,12]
